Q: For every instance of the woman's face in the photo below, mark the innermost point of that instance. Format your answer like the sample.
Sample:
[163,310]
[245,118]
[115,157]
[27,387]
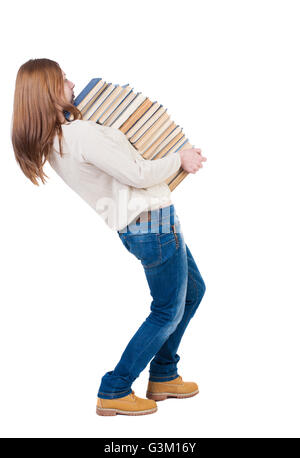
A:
[68,87]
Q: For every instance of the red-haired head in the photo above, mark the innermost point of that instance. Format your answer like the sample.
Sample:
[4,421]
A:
[42,95]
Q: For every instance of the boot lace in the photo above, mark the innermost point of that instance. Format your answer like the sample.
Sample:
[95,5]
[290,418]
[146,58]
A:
[133,395]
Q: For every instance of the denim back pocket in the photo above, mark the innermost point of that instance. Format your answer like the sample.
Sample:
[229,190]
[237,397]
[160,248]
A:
[169,243]
[145,247]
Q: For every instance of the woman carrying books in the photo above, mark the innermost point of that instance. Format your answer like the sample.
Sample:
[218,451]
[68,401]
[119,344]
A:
[131,196]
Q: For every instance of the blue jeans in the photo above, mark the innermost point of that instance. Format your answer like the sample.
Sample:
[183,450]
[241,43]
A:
[176,287]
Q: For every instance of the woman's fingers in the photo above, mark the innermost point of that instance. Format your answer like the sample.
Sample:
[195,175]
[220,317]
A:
[199,151]
[201,159]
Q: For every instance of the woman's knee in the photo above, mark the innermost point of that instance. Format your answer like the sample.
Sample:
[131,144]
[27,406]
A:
[202,287]
[199,291]
[170,319]
[197,287]
[175,317]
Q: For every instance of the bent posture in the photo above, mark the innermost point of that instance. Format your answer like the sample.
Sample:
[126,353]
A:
[131,196]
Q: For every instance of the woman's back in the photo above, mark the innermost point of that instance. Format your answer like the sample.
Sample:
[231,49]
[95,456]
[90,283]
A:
[102,166]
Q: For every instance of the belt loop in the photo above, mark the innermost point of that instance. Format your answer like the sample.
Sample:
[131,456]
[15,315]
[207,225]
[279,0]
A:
[175,235]
[166,219]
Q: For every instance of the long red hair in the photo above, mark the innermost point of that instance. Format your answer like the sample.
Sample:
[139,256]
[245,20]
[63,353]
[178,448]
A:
[39,94]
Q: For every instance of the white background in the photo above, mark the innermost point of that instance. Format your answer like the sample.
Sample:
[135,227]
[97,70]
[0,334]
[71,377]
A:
[72,296]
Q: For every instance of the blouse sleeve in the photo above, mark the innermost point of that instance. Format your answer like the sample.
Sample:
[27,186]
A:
[109,149]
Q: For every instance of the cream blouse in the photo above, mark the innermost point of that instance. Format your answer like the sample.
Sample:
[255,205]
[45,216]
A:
[102,167]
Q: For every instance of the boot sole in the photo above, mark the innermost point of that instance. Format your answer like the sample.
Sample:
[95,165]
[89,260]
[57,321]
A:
[111,412]
[163,396]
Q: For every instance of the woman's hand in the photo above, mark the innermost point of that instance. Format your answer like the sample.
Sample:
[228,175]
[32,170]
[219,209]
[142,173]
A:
[191,159]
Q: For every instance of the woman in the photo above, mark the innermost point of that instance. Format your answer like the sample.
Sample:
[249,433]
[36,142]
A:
[130,194]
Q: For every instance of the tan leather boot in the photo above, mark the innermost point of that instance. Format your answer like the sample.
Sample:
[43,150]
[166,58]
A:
[176,388]
[127,405]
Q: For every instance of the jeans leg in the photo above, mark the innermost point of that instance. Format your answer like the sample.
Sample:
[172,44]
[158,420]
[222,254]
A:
[167,278]
[165,361]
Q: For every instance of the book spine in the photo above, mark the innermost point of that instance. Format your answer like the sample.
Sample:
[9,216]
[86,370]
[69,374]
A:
[85,91]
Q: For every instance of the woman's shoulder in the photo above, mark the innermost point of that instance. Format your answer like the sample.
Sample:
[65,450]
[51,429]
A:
[76,124]
[79,127]
[81,124]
